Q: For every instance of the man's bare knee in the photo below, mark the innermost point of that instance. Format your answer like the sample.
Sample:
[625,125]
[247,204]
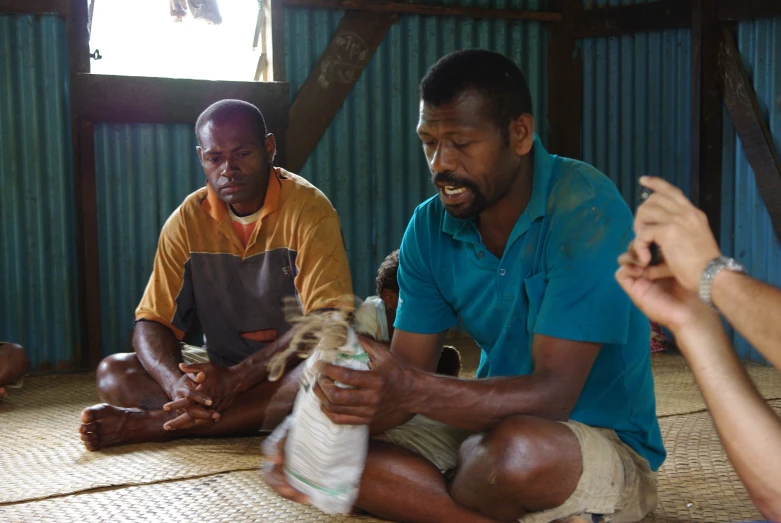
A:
[523,464]
[14,362]
[116,376]
[18,356]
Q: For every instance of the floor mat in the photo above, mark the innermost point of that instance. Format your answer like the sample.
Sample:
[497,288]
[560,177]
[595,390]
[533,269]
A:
[697,483]
[186,480]
[236,497]
[676,392]
[43,456]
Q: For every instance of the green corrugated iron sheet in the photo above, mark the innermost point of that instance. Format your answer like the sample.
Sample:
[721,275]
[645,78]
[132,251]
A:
[38,269]
[370,162]
[636,105]
[143,173]
[747,232]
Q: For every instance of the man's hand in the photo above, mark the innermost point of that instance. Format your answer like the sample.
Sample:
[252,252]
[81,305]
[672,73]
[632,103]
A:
[189,403]
[211,385]
[220,384]
[375,393]
[663,300]
[274,474]
[681,231]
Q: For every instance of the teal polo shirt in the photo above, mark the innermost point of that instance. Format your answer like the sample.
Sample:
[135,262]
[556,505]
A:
[555,278]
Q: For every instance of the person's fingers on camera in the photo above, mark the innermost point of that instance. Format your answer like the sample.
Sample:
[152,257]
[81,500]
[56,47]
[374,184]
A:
[664,188]
[659,272]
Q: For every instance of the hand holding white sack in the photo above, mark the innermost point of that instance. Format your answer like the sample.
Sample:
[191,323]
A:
[323,460]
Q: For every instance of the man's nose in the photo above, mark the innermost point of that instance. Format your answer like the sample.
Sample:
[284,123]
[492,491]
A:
[229,167]
[443,159]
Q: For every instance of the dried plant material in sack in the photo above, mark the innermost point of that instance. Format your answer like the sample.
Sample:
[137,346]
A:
[323,460]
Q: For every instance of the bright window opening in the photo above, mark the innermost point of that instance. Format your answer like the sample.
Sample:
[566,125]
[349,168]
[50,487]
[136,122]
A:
[144,38]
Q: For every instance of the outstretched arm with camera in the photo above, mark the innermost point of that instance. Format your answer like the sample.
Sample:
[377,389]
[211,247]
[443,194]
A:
[675,293]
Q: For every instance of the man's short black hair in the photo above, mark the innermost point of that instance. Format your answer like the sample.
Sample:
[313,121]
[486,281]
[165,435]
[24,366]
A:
[491,74]
[387,273]
[224,110]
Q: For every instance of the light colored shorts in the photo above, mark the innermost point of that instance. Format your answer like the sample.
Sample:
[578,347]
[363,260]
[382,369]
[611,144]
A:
[617,484]
[192,354]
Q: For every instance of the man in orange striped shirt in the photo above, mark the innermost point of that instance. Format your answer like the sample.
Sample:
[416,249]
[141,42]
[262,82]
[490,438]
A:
[233,251]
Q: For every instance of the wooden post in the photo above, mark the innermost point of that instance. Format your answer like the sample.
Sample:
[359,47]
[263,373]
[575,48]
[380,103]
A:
[565,84]
[743,108]
[404,8]
[85,192]
[277,40]
[36,7]
[628,19]
[330,82]
[733,10]
[706,113]
[90,261]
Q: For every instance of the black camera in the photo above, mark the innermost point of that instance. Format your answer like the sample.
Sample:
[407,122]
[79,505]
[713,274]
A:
[656,255]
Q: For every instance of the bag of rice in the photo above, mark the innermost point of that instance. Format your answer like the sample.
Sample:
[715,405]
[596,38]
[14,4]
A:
[324,460]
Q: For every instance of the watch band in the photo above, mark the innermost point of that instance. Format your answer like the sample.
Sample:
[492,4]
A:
[714,267]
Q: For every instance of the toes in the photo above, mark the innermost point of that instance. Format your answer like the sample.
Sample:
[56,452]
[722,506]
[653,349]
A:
[91,441]
[95,412]
[84,428]
[86,415]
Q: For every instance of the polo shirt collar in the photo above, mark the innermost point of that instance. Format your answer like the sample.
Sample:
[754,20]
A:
[218,209]
[466,230]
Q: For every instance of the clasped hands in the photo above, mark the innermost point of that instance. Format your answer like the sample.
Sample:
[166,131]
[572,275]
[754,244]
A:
[199,397]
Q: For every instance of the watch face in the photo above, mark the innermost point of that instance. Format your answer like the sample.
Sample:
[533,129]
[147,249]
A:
[735,265]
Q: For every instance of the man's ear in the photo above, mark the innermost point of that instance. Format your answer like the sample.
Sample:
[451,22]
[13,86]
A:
[522,134]
[200,153]
[390,298]
[271,147]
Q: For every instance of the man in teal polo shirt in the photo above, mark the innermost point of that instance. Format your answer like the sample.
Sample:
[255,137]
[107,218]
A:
[522,245]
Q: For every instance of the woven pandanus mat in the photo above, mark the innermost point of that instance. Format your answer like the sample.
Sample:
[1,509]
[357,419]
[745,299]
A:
[236,497]
[677,393]
[42,455]
[697,483]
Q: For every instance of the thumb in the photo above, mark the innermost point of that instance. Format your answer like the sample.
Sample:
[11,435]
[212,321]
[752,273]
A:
[372,348]
[195,371]
[627,281]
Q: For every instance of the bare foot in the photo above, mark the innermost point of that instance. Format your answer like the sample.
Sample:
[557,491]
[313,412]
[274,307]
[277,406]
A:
[105,426]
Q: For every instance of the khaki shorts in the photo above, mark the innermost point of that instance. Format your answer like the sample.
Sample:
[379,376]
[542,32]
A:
[192,354]
[617,485]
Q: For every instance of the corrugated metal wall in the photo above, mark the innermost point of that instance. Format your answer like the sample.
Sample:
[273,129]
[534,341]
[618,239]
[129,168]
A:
[747,232]
[369,162]
[143,173]
[38,269]
[636,100]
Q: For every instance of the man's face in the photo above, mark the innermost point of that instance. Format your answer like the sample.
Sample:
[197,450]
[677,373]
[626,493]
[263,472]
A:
[471,165]
[235,159]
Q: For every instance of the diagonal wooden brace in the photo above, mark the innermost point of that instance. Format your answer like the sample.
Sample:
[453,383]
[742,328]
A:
[741,101]
[326,88]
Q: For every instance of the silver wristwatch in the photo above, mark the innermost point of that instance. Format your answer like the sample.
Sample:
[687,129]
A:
[714,267]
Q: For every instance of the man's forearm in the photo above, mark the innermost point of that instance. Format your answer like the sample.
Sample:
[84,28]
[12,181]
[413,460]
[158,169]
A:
[479,405]
[753,308]
[749,430]
[254,369]
[159,352]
